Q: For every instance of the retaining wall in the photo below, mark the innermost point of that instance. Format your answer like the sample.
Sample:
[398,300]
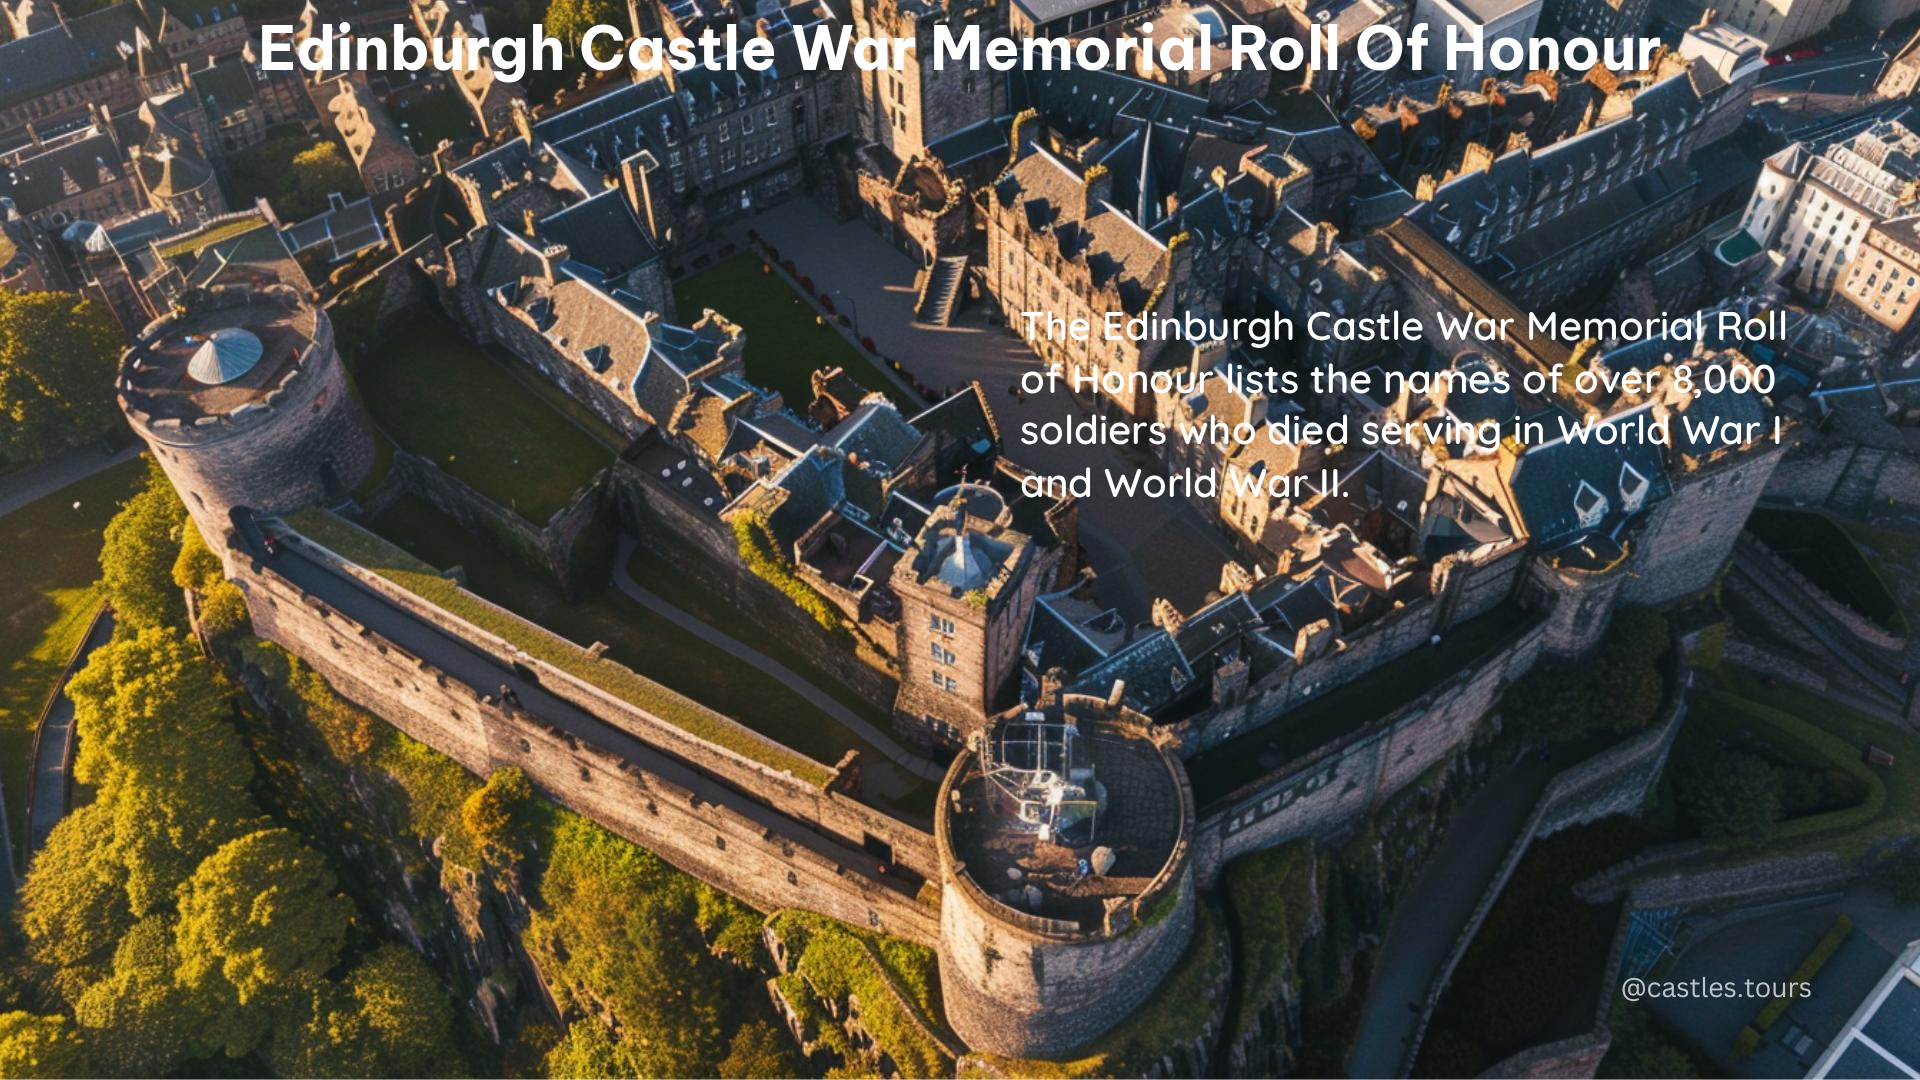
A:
[716,842]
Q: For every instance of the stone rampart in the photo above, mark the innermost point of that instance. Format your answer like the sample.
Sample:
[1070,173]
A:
[761,857]
[1322,793]
[1614,781]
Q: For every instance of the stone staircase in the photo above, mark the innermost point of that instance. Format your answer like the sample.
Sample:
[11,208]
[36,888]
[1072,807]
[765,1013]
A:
[940,290]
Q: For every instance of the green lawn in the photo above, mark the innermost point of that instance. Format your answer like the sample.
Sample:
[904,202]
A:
[659,577]
[785,342]
[1899,812]
[52,554]
[457,406]
[443,114]
[1817,547]
[678,677]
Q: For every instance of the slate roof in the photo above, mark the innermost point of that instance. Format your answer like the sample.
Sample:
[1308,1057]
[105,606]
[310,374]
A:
[875,433]
[600,233]
[64,54]
[90,161]
[1549,479]
[1116,251]
[1153,668]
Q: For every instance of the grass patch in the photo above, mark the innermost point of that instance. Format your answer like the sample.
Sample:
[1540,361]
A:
[430,117]
[453,404]
[1899,801]
[1814,545]
[663,579]
[834,961]
[206,238]
[47,596]
[540,602]
[1269,897]
[1809,968]
[785,342]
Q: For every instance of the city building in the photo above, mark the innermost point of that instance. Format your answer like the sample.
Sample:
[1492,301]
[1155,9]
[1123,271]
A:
[1813,210]
[1482,21]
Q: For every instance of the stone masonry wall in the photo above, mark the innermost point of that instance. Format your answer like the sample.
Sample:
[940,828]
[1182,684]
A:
[713,842]
[702,547]
[1324,792]
[547,547]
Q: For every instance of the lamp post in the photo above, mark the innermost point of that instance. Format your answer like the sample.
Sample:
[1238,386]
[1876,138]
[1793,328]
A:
[853,307]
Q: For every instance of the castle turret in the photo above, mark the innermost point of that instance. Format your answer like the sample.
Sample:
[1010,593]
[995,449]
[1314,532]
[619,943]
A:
[1066,887]
[242,399]
[966,587]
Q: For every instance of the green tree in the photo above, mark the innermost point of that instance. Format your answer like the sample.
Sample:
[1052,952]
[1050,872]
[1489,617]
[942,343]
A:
[1900,875]
[73,907]
[142,1021]
[136,560]
[1731,796]
[168,768]
[261,913]
[316,172]
[223,608]
[569,19]
[1641,1049]
[495,814]
[389,1017]
[758,1050]
[587,1052]
[58,356]
[40,1046]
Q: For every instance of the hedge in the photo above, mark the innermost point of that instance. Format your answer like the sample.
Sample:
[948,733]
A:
[1809,968]
[1807,741]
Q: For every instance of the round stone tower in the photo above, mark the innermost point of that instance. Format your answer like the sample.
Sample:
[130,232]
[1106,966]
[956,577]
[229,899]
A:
[240,395]
[1064,834]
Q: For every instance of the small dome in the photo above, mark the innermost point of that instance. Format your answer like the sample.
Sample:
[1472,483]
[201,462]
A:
[224,356]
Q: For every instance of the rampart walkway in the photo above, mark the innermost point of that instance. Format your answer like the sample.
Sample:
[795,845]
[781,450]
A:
[487,674]
[48,792]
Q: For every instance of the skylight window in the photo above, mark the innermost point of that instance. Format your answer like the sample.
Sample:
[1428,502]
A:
[1589,505]
[1633,487]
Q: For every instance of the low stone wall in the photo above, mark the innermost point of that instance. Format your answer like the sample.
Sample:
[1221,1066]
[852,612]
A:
[547,548]
[1850,620]
[1846,476]
[716,842]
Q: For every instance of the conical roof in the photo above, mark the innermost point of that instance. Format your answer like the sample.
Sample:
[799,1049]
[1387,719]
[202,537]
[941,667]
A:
[224,356]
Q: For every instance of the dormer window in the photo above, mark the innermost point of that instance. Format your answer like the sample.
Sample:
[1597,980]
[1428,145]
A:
[599,358]
[1589,505]
[1633,487]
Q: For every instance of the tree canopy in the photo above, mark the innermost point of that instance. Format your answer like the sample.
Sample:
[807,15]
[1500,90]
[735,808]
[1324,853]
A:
[262,913]
[1731,796]
[58,356]
[136,561]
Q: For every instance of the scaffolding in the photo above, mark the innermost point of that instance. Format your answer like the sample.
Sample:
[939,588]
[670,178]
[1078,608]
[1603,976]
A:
[1033,762]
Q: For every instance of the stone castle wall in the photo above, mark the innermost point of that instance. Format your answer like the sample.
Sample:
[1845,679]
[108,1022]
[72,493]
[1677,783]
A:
[1475,590]
[1704,515]
[717,843]
[702,547]
[1846,476]
[548,547]
[1614,781]
[1320,794]
[275,457]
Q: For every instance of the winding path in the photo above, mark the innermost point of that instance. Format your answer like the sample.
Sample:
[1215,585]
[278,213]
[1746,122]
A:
[47,794]
[1427,921]
[792,680]
[28,485]
[1873,672]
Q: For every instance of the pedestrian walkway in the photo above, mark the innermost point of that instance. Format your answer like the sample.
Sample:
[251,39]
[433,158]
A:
[30,484]
[792,680]
[53,745]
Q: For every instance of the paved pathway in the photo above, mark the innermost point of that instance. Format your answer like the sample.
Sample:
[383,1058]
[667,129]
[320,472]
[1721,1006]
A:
[792,680]
[1427,920]
[27,485]
[1145,547]
[47,795]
